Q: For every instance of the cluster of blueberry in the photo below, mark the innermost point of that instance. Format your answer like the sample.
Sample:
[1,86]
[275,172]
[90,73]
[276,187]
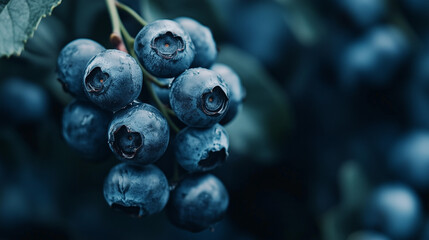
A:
[108,113]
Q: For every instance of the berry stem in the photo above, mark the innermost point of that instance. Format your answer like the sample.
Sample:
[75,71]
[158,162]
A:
[162,107]
[154,80]
[171,112]
[128,39]
[115,36]
[131,12]
[118,28]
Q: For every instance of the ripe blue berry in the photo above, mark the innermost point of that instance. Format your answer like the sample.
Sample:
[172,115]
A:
[363,13]
[84,128]
[199,97]
[236,90]
[138,133]
[164,48]
[373,59]
[201,149]
[409,159]
[71,64]
[270,40]
[136,189]
[112,79]
[163,93]
[205,45]
[198,202]
[394,209]
[22,101]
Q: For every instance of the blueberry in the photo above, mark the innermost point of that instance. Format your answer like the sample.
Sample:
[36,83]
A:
[367,235]
[136,189]
[199,97]
[363,13]
[138,133]
[22,101]
[164,48]
[113,79]
[395,210]
[373,59]
[236,90]
[270,40]
[163,93]
[201,149]
[72,63]
[198,202]
[205,45]
[409,159]
[84,128]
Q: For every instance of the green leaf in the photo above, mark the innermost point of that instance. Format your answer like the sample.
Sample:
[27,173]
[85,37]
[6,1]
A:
[19,19]
[338,222]
[261,128]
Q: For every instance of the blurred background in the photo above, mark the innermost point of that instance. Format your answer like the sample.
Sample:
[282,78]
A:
[332,142]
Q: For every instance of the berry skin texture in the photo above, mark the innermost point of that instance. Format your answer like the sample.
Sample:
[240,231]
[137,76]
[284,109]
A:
[139,190]
[113,79]
[138,133]
[395,210]
[199,97]
[22,101]
[205,45]
[201,149]
[71,65]
[164,48]
[373,59]
[236,90]
[84,128]
[409,159]
[198,202]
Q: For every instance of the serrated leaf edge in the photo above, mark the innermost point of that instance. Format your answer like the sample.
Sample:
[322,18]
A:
[18,53]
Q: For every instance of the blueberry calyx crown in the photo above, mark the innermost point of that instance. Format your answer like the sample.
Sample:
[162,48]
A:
[214,102]
[126,143]
[167,45]
[135,211]
[95,81]
[214,158]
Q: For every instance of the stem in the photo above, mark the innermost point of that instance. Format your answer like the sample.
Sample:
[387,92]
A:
[119,28]
[115,36]
[114,16]
[128,39]
[161,107]
[154,80]
[131,12]
[171,112]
